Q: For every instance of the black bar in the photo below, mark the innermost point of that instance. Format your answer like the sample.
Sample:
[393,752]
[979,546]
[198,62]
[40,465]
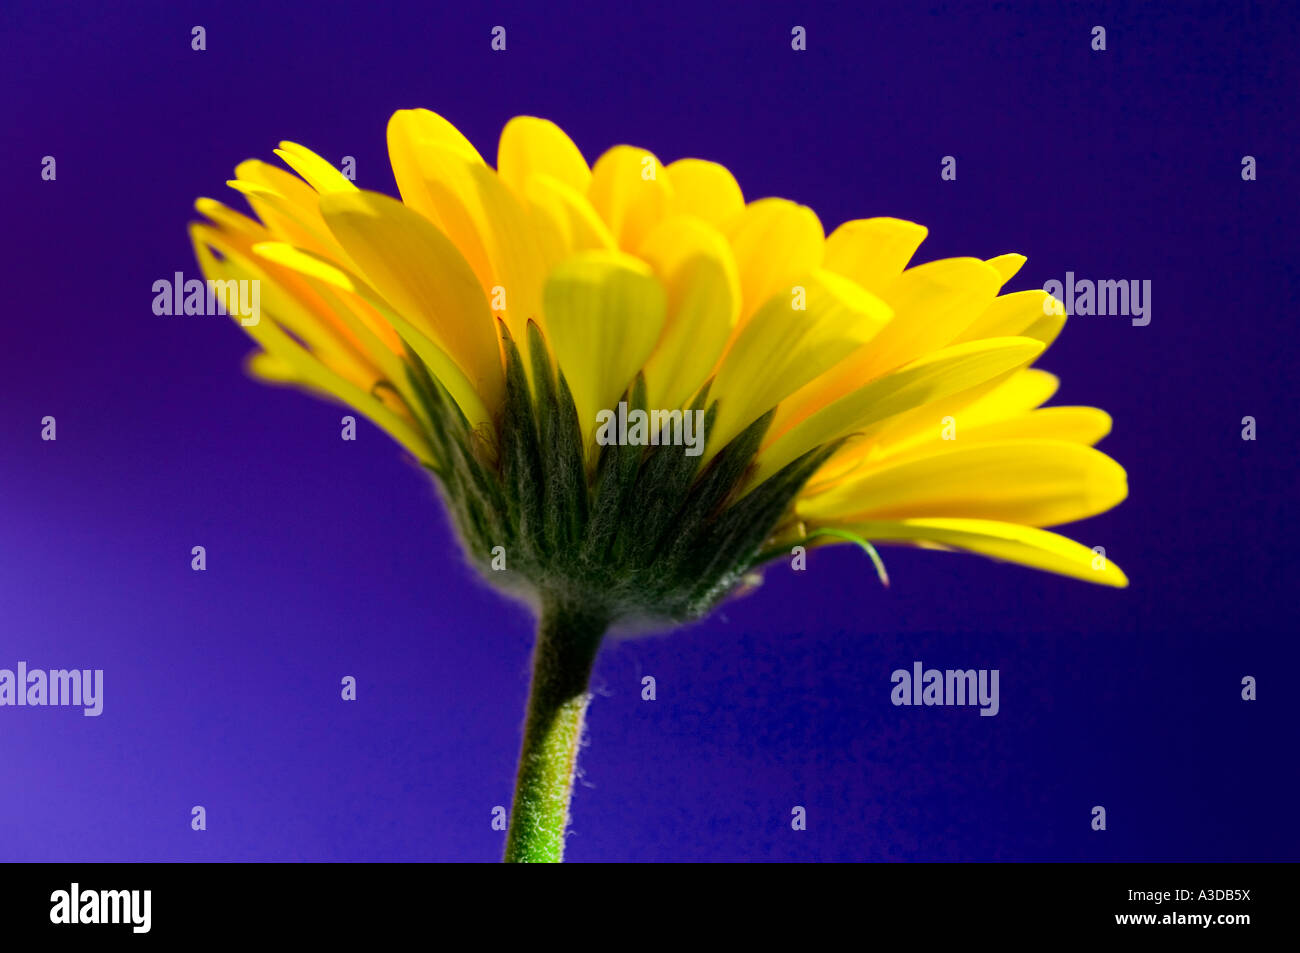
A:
[189,902]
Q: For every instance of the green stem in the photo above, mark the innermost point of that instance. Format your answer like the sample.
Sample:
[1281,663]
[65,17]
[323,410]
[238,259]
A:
[568,636]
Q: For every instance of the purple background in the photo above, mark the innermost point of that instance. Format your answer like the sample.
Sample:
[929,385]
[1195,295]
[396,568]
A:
[328,558]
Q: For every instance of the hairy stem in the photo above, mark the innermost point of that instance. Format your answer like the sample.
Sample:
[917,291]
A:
[568,637]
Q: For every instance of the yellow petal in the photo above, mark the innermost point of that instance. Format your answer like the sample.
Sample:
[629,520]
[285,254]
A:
[410,128]
[1036,548]
[706,190]
[409,132]
[440,365]
[1002,397]
[230,220]
[281,216]
[1033,482]
[426,150]
[579,226]
[920,383]
[530,145]
[1018,394]
[267,367]
[421,275]
[277,180]
[1005,395]
[1083,425]
[488,223]
[1036,314]
[366,329]
[604,312]
[288,205]
[873,251]
[932,304]
[782,348]
[630,190]
[1015,313]
[1007,266]
[1046,328]
[299,308]
[290,360]
[775,242]
[322,176]
[694,263]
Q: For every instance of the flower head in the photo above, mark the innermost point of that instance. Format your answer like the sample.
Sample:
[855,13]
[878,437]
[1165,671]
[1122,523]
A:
[544,336]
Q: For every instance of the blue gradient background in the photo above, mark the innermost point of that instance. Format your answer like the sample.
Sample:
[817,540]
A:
[329,558]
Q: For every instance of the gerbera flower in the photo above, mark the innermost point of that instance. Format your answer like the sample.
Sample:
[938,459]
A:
[491,319]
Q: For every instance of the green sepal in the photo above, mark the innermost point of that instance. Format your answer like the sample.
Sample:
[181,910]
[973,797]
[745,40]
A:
[728,549]
[564,483]
[716,483]
[661,485]
[836,533]
[478,503]
[616,469]
[521,462]
[638,532]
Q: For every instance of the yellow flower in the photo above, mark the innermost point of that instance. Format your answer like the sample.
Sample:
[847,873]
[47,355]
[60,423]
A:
[515,329]
[635,267]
